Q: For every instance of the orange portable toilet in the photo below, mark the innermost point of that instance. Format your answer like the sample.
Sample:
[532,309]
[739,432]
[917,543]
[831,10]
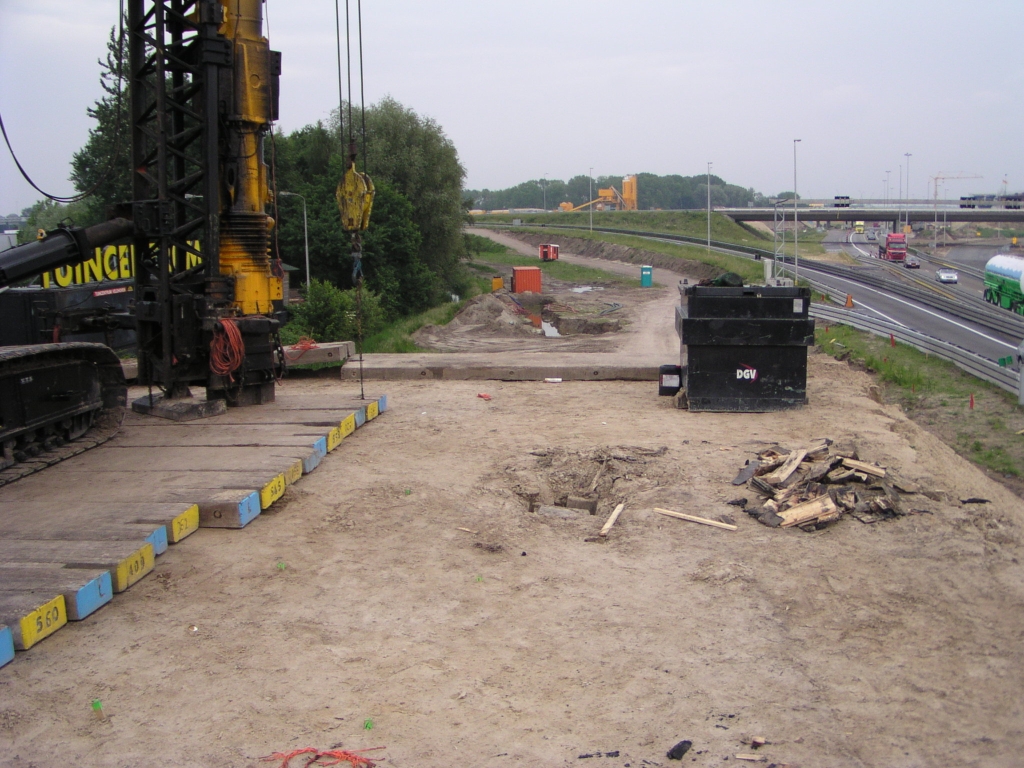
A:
[525,279]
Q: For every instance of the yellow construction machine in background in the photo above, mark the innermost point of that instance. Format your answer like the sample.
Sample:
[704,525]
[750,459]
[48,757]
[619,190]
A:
[609,199]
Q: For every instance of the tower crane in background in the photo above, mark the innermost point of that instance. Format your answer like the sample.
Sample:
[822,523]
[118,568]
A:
[941,177]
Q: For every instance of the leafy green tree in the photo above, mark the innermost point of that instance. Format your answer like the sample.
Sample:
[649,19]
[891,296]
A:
[392,264]
[413,248]
[105,160]
[46,214]
[413,154]
[330,314]
[391,260]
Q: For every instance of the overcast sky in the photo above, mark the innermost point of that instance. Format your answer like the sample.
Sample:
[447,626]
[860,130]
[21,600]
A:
[537,87]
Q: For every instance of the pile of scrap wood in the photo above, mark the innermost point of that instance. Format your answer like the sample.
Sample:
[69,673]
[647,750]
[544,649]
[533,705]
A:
[809,487]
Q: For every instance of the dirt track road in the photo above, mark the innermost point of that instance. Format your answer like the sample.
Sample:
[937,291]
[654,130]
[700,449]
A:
[651,334]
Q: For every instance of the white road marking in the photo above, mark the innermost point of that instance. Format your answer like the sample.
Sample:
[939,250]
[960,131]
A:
[926,311]
[849,239]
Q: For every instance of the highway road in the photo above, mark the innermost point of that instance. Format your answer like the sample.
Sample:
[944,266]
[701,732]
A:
[878,303]
[932,322]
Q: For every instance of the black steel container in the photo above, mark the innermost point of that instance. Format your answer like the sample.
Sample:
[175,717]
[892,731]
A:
[744,349]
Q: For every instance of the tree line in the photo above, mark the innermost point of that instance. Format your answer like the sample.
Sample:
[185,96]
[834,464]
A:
[672,192]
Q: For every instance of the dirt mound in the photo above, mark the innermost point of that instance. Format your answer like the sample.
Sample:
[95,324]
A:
[608,475]
[600,250]
[486,316]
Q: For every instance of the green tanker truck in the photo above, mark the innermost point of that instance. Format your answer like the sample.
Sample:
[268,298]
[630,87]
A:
[1004,282]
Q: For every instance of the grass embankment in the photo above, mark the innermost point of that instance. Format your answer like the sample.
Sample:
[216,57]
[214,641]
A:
[750,271]
[687,223]
[490,252]
[397,337]
[936,394]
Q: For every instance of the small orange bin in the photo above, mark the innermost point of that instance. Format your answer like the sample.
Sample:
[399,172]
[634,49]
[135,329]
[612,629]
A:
[525,279]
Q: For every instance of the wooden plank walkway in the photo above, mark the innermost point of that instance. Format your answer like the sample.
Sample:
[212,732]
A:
[78,533]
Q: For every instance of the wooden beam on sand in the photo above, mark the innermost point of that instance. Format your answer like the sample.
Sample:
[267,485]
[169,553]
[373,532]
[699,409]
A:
[695,519]
[611,520]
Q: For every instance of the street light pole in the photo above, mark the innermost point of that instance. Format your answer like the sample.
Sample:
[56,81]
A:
[887,187]
[907,155]
[590,193]
[899,207]
[305,229]
[709,207]
[796,221]
[545,188]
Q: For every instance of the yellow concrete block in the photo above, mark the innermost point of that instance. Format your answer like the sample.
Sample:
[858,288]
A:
[42,622]
[293,473]
[183,525]
[334,438]
[372,410]
[133,568]
[348,425]
[272,491]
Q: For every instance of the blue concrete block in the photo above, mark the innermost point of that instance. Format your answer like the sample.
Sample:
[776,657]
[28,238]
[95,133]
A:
[320,446]
[311,462]
[360,417]
[249,508]
[6,645]
[382,404]
[158,538]
[91,596]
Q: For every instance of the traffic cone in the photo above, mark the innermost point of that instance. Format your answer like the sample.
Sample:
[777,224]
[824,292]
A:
[892,341]
[972,401]
[849,301]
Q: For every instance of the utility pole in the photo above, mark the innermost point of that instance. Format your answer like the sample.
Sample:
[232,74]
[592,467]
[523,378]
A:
[907,155]
[796,221]
[887,187]
[590,193]
[709,207]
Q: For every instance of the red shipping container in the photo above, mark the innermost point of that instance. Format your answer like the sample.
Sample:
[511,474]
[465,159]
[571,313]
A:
[525,279]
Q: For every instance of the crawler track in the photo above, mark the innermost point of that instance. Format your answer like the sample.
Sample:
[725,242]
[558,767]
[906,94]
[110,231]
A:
[56,401]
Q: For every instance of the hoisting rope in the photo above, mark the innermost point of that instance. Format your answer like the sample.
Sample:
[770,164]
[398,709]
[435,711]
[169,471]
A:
[355,190]
[227,349]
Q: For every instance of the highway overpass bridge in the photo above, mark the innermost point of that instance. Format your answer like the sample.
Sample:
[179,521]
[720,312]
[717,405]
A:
[874,210]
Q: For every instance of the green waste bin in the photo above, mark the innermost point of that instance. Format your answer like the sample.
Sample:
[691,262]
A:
[646,277]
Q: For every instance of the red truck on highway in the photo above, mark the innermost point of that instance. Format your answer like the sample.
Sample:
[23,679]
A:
[894,248]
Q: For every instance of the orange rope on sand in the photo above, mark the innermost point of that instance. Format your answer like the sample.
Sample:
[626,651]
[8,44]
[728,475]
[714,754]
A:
[227,350]
[340,756]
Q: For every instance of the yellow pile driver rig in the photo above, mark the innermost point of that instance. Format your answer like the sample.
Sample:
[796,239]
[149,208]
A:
[207,308]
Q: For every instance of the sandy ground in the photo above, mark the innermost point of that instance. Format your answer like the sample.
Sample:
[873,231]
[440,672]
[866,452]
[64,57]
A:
[405,596]
[359,599]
